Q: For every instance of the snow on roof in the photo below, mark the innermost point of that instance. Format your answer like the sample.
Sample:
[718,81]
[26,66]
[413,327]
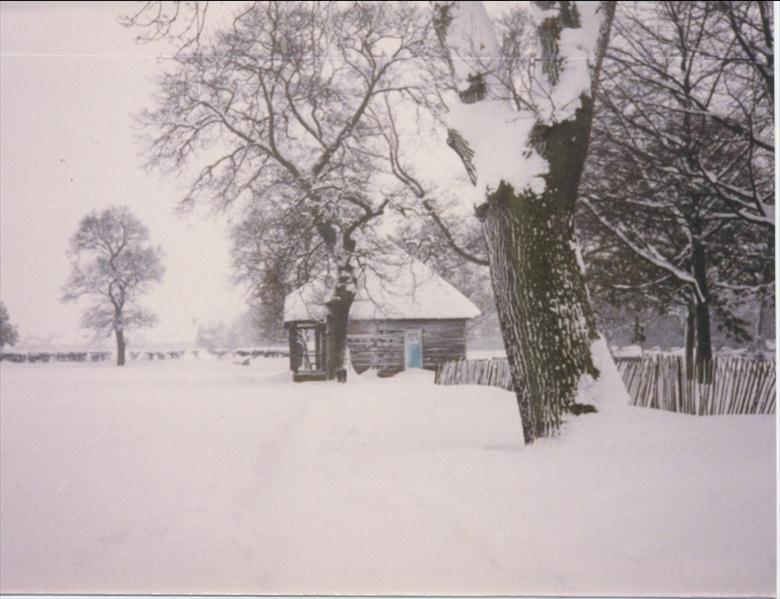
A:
[406,289]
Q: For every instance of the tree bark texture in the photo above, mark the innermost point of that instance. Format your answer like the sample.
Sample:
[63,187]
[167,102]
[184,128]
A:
[546,319]
[544,311]
[338,318]
[336,337]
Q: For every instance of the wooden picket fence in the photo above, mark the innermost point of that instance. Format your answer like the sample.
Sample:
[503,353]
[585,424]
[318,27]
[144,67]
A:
[736,385]
[494,372]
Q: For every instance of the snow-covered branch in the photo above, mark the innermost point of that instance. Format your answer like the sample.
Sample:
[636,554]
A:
[644,249]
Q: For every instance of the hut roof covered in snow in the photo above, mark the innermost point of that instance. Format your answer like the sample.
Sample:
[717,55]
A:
[391,290]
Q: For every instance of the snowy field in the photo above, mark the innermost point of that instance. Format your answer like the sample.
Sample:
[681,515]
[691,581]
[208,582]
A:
[203,476]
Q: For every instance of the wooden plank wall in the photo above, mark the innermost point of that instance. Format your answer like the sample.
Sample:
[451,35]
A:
[380,343]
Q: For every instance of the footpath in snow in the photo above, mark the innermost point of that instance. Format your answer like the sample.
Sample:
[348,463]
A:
[207,477]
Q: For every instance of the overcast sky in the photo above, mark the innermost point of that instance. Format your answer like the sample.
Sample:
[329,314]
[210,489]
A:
[70,79]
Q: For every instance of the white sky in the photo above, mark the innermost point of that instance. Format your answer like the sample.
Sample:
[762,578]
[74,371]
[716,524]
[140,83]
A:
[70,78]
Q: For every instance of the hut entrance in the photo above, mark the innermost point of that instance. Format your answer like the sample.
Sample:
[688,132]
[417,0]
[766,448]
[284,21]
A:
[413,348]
[307,351]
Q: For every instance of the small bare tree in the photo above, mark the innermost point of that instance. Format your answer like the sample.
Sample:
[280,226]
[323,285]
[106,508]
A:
[113,264]
[8,332]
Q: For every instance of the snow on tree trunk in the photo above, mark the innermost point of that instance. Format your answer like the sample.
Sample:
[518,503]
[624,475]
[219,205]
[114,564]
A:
[546,319]
[526,160]
[337,321]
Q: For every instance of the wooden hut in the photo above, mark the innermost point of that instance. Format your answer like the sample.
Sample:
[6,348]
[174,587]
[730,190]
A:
[404,316]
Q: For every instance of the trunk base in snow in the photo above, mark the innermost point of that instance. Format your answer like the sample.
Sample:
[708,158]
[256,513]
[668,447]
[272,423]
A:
[120,347]
[545,316]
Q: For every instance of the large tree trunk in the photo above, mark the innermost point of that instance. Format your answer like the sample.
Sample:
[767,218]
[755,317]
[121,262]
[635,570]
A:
[120,346]
[336,336]
[338,317]
[546,319]
[543,306]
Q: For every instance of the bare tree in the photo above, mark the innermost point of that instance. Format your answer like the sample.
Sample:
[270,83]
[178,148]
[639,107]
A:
[286,109]
[114,265]
[742,47]
[9,335]
[275,253]
[683,122]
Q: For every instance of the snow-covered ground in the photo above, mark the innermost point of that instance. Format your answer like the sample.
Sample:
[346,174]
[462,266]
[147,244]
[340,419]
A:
[176,477]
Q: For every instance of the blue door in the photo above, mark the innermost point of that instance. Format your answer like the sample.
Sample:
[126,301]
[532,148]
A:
[413,346]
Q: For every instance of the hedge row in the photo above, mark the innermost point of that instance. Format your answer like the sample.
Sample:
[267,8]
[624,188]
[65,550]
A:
[73,356]
[104,356]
